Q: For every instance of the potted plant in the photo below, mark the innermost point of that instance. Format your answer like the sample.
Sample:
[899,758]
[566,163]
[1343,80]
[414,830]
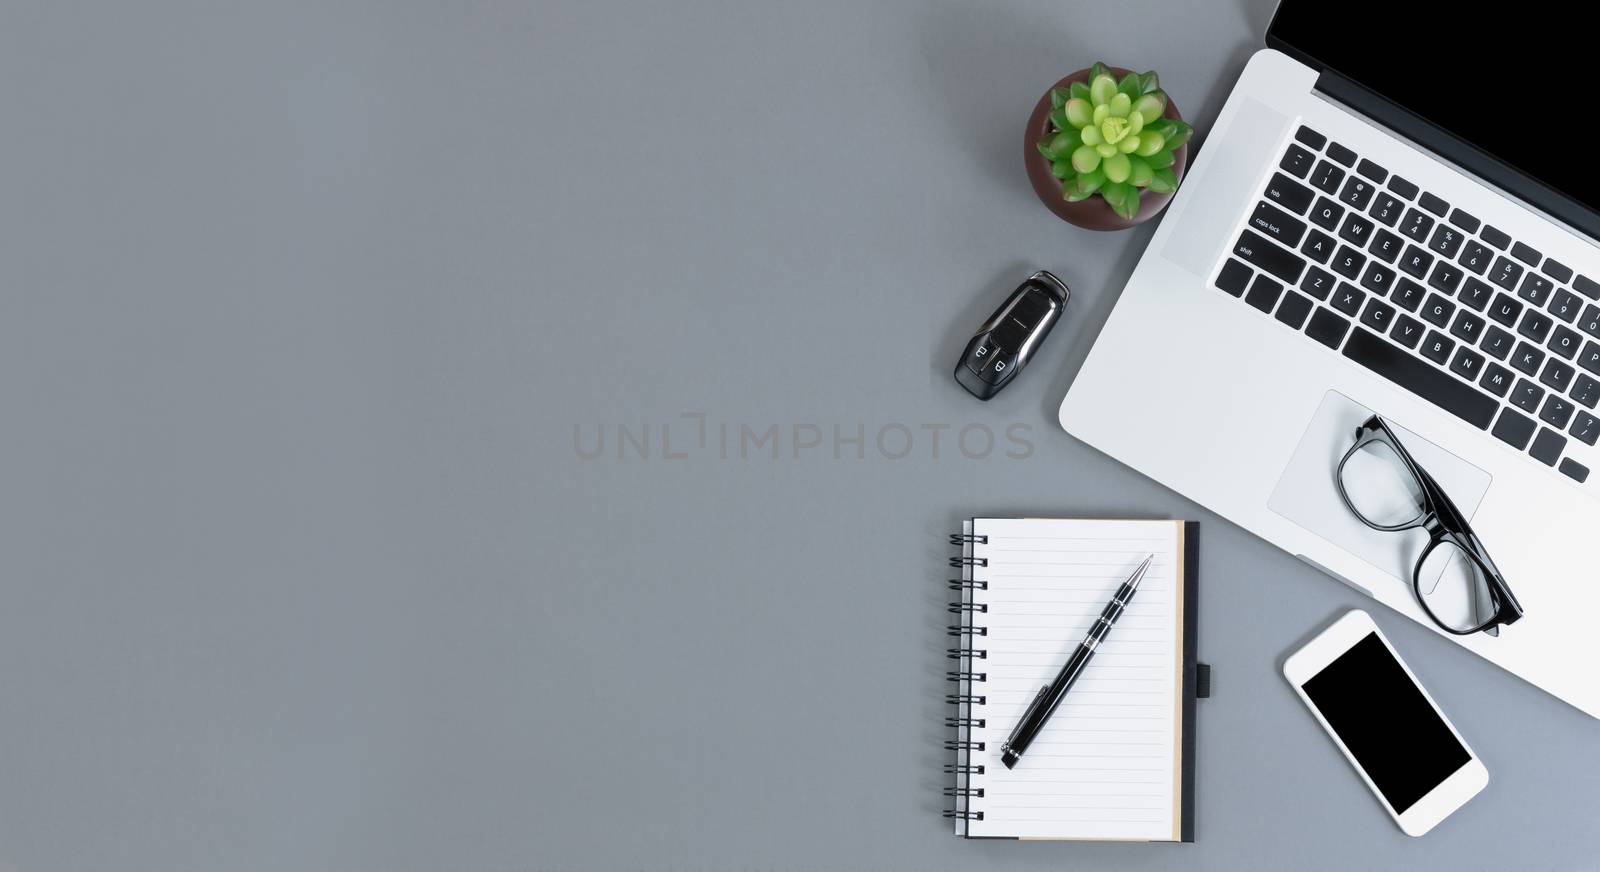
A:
[1106,148]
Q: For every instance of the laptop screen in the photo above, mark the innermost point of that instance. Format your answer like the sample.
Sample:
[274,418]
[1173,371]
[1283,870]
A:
[1517,82]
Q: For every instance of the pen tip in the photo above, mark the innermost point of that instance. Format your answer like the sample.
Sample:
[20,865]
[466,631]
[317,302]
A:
[1138,574]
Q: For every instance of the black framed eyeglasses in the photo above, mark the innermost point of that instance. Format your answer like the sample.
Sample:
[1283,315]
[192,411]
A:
[1454,580]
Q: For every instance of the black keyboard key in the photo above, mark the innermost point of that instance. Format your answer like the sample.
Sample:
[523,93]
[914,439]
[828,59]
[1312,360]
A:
[1357,192]
[1278,224]
[1416,225]
[1348,262]
[1296,161]
[1476,294]
[1557,270]
[1586,286]
[1505,309]
[1514,429]
[1386,209]
[1377,315]
[1437,310]
[1318,283]
[1556,411]
[1585,391]
[1536,289]
[1590,320]
[1407,331]
[1496,379]
[1400,186]
[1372,171]
[1326,213]
[1467,363]
[1446,240]
[1546,447]
[1505,273]
[1356,230]
[1311,137]
[1526,395]
[1476,257]
[1408,294]
[1527,358]
[1378,279]
[1234,277]
[1341,154]
[1467,327]
[1565,341]
[1565,305]
[1535,325]
[1433,385]
[1347,299]
[1574,470]
[1327,328]
[1257,251]
[1416,261]
[1557,374]
[1586,428]
[1263,293]
[1386,246]
[1465,221]
[1326,177]
[1496,237]
[1318,247]
[1437,347]
[1497,343]
[1294,309]
[1590,358]
[1289,193]
[1526,253]
[1434,204]
[1446,276]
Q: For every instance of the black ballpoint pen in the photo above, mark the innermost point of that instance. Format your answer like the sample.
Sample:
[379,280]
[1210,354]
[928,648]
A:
[1051,695]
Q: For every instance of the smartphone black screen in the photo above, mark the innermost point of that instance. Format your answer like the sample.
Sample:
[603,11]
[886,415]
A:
[1389,726]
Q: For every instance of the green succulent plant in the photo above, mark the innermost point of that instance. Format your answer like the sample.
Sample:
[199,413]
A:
[1110,138]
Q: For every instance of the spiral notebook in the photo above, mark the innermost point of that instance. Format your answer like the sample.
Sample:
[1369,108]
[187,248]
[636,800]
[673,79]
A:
[1116,761]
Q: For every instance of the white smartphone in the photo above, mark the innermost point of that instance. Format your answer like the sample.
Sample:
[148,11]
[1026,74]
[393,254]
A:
[1389,728]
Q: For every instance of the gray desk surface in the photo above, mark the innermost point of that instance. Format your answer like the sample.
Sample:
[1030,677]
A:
[312,311]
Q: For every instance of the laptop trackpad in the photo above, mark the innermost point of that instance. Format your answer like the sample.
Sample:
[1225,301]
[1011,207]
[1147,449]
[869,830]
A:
[1307,495]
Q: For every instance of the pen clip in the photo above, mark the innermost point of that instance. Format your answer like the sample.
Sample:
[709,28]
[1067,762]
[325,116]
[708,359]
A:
[1027,715]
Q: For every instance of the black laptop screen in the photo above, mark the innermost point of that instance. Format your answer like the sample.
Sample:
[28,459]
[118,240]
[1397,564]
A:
[1517,82]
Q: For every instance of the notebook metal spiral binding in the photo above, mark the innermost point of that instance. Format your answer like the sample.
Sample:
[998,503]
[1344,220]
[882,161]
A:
[966,700]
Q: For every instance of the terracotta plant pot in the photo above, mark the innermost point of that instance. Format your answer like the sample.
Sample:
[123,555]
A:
[1094,213]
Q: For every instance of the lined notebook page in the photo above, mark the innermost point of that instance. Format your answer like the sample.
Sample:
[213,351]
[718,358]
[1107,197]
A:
[1106,766]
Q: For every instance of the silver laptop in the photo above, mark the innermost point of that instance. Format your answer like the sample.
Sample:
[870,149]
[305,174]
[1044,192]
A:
[1402,226]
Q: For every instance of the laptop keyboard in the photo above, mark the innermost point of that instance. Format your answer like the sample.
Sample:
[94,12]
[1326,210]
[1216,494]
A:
[1425,295]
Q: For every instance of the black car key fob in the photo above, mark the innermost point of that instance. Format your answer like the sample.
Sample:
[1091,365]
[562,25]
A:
[1005,342]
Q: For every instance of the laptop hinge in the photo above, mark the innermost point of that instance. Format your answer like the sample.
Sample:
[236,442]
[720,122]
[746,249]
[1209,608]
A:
[1455,150]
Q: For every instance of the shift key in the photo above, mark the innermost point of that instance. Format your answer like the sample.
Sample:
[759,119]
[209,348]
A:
[1278,224]
[1255,248]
